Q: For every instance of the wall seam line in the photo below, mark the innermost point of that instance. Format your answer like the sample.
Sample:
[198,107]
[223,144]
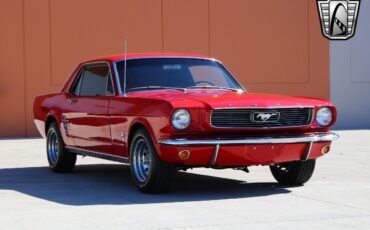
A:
[209,27]
[50,48]
[24,68]
[162,21]
[309,42]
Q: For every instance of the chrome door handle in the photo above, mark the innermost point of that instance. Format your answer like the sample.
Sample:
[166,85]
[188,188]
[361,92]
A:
[71,101]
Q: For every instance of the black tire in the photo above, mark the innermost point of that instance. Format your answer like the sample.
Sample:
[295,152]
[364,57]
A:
[157,176]
[59,158]
[293,173]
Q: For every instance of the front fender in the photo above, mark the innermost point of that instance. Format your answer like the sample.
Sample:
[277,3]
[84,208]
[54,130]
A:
[151,124]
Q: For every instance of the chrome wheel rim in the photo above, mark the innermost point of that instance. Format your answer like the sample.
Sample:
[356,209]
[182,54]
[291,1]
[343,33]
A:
[53,147]
[141,159]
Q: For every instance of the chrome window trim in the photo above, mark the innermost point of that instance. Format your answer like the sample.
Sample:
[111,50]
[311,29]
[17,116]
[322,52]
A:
[118,82]
[234,78]
[79,82]
[92,64]
[283,107]
[70,76]
[75,80]
[124,93]
[150,57]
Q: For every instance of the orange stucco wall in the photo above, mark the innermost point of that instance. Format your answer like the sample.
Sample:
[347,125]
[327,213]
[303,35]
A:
[271,46]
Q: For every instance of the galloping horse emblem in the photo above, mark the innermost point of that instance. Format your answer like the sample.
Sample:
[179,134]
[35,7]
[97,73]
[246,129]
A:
[265,116]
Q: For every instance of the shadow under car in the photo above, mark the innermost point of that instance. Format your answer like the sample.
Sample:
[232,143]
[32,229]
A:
[112,184]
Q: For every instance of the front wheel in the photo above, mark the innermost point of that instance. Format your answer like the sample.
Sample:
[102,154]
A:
[293,173]
[60,160]
[150,174]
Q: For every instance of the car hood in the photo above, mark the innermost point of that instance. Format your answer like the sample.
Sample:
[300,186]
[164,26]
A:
[227,99]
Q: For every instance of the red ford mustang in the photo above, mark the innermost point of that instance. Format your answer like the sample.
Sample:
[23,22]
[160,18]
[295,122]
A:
[166,112]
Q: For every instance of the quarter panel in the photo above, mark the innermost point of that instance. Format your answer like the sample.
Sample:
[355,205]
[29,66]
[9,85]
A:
[51,105]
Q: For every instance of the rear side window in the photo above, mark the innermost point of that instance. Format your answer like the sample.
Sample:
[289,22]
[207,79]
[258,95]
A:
[95,80]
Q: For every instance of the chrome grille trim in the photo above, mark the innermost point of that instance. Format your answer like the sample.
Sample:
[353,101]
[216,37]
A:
[290,117]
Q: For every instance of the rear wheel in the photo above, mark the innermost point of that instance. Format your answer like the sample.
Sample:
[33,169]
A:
[150,174]
[60,160]
[293,173]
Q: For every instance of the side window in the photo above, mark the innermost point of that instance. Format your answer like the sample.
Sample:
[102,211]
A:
[95,81]
[77,86]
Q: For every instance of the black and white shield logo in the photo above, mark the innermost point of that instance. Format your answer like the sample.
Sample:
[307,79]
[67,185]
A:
[338,18]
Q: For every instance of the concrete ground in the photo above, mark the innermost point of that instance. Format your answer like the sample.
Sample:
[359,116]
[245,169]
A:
[100,194]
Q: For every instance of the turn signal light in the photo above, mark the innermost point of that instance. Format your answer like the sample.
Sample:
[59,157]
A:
[184,154]
[325,149]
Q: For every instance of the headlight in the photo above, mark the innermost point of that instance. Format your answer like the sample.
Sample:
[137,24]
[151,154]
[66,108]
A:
[324,116]
[181,119]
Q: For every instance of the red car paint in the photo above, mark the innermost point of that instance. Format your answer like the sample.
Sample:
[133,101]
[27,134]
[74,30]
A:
[105,124]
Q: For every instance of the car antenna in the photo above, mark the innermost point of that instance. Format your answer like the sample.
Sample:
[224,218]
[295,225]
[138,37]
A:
[125,70]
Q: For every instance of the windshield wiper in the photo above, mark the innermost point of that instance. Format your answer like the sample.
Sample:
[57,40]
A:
[153,88]
[213,87]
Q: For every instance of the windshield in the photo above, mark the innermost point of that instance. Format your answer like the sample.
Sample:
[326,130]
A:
[175,73]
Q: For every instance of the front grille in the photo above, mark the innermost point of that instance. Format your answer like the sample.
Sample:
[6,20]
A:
[246,118]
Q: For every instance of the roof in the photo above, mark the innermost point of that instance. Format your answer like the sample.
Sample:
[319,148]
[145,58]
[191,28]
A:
[118,57]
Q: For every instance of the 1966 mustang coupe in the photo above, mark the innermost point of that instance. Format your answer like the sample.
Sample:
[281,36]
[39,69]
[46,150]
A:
[166,112]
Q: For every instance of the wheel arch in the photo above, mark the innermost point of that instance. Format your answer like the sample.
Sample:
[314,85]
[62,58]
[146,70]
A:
[49,120]
[136,125]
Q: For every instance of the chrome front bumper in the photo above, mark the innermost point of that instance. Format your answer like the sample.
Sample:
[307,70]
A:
[309,139]
[256,140]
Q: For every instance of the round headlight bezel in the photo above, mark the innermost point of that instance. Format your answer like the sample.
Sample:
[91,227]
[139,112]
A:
[324,116]
[179,122]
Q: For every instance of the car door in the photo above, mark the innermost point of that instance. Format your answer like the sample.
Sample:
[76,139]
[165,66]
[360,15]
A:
[87,118]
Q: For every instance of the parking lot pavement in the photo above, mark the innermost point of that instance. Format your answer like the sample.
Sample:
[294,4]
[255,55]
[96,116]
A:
[100,195]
